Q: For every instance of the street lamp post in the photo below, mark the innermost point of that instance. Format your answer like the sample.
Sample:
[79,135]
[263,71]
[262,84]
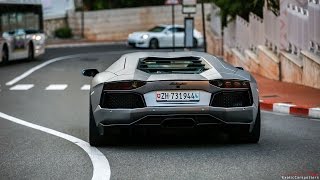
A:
[173,29]
[82,19]
[204,28]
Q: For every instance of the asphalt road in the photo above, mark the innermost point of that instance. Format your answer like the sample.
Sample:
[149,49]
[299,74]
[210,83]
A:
[289,145]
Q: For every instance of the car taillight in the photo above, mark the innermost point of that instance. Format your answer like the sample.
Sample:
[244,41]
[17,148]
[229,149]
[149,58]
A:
[232,83]
[125,85]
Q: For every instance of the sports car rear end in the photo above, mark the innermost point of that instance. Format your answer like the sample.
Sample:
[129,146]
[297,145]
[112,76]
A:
[174,91]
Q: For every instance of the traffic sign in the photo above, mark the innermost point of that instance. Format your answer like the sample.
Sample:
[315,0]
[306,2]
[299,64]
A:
[172,2]
[189,6]
[189,2]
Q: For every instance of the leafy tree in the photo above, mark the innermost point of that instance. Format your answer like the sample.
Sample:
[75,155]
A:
[94,4]
[231,8]
[274,6]
[111,4]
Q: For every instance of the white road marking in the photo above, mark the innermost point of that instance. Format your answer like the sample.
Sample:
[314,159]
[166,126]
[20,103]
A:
[85,87]
[22,87]
[30,71]
[101,167]
[56,87]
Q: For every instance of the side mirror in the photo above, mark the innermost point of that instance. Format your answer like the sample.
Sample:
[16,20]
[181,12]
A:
[167,33]
[90,72]
[241,68]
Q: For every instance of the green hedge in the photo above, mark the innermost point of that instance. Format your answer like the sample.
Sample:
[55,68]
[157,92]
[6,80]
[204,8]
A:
[64,32]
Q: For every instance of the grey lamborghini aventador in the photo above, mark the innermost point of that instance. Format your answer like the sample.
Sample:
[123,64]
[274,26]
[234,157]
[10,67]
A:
[172,90]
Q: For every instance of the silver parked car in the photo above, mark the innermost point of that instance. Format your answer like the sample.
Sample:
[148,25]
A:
[173,90]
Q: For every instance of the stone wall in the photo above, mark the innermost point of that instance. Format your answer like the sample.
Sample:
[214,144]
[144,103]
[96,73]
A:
[253,64]
[291,68]
[268,63]
[51,25]
[116,24]
[304,70]
[311,69]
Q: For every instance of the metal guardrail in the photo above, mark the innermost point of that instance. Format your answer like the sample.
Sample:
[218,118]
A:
[229,33]
[314,25]
[256,35]
[271,30]
[302,29]
[242,34]
[298,34]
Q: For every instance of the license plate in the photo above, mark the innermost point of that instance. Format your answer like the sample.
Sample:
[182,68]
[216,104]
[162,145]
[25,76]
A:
[178,96]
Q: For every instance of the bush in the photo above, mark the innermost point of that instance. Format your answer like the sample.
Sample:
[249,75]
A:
[64,32]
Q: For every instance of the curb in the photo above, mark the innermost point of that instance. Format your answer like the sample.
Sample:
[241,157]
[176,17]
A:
[290,109]
[82,44]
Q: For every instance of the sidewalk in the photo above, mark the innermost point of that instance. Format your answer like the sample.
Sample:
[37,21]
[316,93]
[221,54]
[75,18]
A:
[60,43]
[288,97]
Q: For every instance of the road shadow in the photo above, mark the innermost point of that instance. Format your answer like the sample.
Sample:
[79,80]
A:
[20,61]
[174,140]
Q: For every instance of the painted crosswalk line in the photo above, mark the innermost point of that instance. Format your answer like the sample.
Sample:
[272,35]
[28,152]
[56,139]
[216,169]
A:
[51,87]
[22,87]
[85,87]
[56,87]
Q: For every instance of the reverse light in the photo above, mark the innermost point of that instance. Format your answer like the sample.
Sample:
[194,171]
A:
[125,85]
[230,83]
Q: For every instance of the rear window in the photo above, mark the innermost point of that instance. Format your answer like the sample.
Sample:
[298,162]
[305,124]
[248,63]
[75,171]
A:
[180,65]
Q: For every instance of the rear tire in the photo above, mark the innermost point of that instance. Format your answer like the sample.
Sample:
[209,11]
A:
[30,52]
[253,136]
[4,56]
[154,44]
[95,139]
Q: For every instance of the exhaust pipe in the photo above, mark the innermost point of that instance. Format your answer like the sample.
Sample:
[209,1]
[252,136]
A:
[178,123]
